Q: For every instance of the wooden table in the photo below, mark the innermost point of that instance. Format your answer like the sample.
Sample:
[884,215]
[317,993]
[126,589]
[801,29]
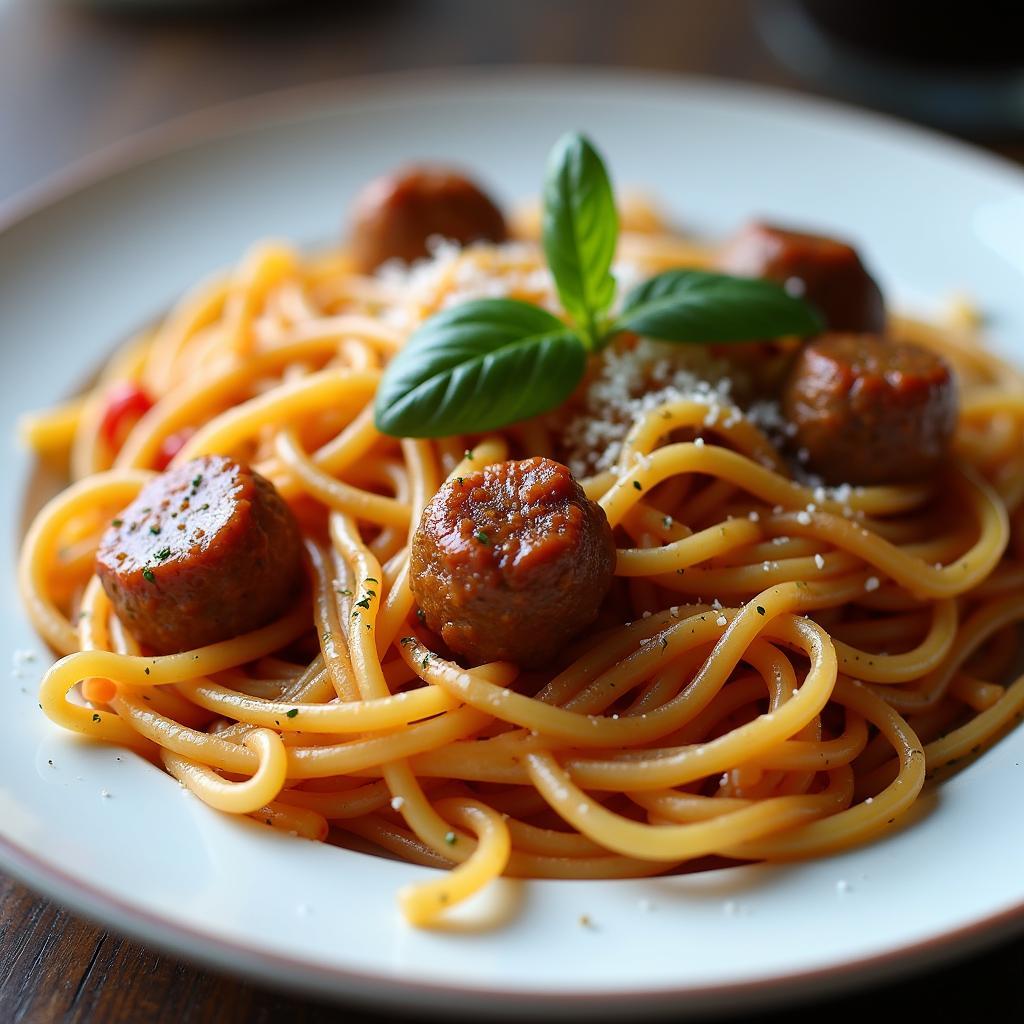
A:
[73,82]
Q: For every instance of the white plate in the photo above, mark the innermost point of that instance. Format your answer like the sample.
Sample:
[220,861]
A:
[80,273]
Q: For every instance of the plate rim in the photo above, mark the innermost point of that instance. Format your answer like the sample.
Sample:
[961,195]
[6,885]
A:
[303,977]
[265,110]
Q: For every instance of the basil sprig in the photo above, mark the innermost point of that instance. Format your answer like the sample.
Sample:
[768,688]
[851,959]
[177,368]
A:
[581,227]
[486,363]
[696,305]
[479,366]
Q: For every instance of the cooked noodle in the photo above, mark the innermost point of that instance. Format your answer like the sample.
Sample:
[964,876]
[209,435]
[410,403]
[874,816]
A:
[791,666]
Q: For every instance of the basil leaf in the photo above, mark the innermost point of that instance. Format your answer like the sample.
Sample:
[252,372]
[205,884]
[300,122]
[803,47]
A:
[581,228]
[476,367]
[695,305]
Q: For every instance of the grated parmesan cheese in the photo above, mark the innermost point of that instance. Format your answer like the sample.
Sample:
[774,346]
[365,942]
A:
[630,381]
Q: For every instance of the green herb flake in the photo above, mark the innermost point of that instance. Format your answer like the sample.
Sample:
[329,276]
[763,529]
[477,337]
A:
[292,713]
[639,486]
[96,718]
[450,838]
[482,537]
[760,610]
[364,603]
[148,575]
[163,554]
[196,481]
[117,522]
[344,591]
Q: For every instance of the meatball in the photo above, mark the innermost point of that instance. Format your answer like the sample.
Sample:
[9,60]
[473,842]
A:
[395,215]
[824,271]
[867,410]
[510,562]
[207,551]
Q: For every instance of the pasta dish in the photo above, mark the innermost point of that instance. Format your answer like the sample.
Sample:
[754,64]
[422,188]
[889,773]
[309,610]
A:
[550,546]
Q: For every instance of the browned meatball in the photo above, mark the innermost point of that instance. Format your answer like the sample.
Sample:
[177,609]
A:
[871,411]
[512,561]
[824,271]
[206,552]
[395,215]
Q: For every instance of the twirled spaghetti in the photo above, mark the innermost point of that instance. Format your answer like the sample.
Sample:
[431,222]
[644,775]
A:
[793,661]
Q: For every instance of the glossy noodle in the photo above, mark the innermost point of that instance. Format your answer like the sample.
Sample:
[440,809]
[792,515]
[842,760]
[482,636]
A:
[780,669]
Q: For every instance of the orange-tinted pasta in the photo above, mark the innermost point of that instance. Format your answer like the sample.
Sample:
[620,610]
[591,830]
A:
[792,665]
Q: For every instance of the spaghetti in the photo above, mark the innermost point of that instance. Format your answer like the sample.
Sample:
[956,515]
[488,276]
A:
[791,662]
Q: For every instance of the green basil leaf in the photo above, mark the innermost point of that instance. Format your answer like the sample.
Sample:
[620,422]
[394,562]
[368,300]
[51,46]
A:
[581,228]
[695,305]
[476,367]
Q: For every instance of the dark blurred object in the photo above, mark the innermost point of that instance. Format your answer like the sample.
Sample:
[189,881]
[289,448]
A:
[185,7]
[927,34]
[958,67]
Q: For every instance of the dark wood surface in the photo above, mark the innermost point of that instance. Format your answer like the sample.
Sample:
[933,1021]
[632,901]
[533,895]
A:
[72,82]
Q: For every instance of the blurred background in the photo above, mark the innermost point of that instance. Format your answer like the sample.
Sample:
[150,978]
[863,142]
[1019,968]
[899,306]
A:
[78,76]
